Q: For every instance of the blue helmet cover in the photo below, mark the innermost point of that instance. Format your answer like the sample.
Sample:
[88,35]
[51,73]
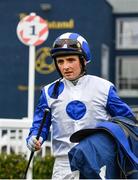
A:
[74,36]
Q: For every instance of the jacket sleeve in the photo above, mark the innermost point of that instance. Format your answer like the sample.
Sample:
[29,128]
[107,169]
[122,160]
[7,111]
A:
[116,107]
[38,116]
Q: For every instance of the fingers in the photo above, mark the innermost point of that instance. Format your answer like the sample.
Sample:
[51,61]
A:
[34,144]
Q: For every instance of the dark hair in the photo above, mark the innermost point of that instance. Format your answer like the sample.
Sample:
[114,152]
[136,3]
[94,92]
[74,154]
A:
[82,62]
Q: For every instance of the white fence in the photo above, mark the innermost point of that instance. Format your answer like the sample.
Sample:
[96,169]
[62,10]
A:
[13,133]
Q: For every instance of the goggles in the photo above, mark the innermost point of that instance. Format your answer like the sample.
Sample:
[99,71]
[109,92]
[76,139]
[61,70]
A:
[67,43]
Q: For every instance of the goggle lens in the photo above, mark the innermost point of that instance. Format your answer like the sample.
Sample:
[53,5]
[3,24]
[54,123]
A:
[67,43]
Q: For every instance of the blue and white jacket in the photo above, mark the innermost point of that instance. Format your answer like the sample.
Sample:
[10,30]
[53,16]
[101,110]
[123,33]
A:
[76,107]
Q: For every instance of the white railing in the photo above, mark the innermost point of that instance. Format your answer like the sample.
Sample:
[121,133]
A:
[13,133]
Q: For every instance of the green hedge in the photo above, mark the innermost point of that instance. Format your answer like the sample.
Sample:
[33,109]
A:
[43,167]
[13,166]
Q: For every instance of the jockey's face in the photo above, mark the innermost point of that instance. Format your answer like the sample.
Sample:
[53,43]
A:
[69,66]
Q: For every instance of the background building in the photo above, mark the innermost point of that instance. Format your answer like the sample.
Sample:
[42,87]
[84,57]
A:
[110,26]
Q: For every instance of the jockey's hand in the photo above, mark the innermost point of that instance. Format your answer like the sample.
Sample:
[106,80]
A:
[34,144]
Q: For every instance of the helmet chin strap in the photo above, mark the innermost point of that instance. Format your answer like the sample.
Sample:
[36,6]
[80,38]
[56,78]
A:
[75,81]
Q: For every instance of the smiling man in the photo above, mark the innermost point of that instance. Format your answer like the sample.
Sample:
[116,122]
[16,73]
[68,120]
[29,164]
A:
[76,101]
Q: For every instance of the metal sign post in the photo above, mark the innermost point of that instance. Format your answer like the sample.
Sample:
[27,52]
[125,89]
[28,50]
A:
[31,82]
[32,31]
